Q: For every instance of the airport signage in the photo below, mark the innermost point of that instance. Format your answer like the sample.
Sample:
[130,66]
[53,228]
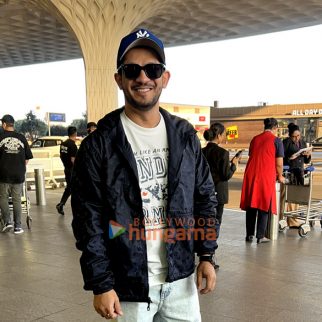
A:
[57,117]
[232,132]
[194,119]
[306,112]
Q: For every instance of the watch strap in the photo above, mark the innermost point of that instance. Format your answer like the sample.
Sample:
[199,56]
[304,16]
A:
[206,258]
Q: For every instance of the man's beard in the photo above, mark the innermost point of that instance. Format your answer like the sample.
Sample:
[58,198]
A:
[139,106]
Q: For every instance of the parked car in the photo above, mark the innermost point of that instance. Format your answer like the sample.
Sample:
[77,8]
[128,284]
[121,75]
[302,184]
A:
[317,143]
[46,145]
[47,141]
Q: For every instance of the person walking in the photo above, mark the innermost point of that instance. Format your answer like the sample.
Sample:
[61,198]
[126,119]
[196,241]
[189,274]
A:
[68,150]
[14,156]
[221,168]
[143,200]
[265,164]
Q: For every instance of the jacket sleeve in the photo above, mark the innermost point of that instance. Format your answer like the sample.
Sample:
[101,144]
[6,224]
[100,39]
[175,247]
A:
[205,203]
[227,168]
[89,226]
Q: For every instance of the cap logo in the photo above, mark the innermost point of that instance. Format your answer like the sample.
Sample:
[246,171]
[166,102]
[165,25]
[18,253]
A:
[139,38]
[142,34]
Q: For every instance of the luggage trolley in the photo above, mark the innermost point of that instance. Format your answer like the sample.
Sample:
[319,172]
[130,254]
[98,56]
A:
[299,191]
[25,207]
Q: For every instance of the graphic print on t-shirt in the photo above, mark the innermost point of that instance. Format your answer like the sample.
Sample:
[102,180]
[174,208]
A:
[151,153]
[152,170]
[11,145]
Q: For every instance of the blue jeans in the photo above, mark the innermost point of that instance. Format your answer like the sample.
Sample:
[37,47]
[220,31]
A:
[15,191]
[171,302]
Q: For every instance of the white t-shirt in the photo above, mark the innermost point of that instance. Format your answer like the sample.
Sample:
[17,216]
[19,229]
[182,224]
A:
[151,152]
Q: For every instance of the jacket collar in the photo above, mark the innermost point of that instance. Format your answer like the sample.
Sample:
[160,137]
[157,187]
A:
[178,132]
[209,144]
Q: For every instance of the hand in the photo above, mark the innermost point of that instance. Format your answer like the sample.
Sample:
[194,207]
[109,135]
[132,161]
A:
[206,270]
[107,305]
[280,179]
[235,160]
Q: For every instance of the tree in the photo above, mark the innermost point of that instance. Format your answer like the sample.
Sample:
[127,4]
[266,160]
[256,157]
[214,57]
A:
[81,125]
[58,130]
[18,126]
[31,127]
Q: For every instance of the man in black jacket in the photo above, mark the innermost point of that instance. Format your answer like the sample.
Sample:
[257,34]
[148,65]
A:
[143,200]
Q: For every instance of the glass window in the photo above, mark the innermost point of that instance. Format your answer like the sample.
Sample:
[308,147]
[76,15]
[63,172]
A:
[36,144]
[50,143]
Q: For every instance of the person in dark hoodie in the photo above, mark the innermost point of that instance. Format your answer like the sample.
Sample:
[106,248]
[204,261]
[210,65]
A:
[221,168]
[143,200]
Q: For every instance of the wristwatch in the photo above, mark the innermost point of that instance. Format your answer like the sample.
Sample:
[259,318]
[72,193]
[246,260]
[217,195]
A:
[206,258]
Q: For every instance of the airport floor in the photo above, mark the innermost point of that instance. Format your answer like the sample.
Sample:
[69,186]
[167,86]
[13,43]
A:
[275,282]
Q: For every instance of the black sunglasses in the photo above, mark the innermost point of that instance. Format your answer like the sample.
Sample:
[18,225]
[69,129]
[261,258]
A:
[132,71]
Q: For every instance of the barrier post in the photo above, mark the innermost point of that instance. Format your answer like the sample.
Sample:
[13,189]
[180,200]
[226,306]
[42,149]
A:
[40,187]
[273,219]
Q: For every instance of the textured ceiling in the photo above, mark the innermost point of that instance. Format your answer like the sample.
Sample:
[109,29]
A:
[195,21]
[30,35]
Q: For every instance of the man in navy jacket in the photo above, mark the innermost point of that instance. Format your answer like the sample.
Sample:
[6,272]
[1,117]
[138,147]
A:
[143,200]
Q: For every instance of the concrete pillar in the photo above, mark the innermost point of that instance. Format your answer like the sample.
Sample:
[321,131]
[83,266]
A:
[98,26]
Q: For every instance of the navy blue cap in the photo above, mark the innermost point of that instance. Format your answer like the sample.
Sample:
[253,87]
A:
[138,38]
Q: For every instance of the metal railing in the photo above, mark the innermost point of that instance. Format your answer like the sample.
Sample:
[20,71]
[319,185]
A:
[52,166]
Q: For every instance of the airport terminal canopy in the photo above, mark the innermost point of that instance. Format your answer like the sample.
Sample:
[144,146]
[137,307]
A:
[32,31]
[39,31]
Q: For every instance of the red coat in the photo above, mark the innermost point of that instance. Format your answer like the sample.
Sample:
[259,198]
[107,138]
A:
[258,189]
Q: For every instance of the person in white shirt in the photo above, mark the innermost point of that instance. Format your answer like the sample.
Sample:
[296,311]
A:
[143,200]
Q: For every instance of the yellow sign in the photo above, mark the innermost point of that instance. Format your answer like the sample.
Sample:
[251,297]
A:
[232,132]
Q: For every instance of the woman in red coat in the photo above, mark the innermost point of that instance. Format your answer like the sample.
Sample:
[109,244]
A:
[258,195]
